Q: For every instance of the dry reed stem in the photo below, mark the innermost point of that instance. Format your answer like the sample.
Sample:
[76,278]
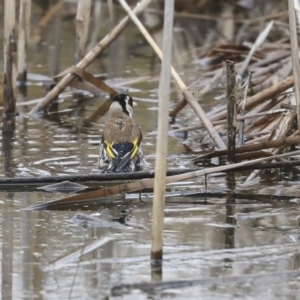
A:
[188,96]
[231,110]
[162,136]
[279,132]
[82,28]
[242,113]
[10,69]
[88,59]
[23,38]
[205,90]
[259,41]
[295,55]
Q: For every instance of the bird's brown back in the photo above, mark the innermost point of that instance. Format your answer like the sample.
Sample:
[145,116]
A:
[121,129]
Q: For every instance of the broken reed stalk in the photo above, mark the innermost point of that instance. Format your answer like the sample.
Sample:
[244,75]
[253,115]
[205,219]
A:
[23,38]
[188,96]
[231,110]
[88,59]
[82,28]
[295,55]
[162,137]
[10,70]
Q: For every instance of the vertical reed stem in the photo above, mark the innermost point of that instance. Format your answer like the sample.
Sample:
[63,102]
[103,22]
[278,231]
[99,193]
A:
[162,136]
[242,113]
[231,110]
[10,82]
[82,28]
[295,56]
[23,36]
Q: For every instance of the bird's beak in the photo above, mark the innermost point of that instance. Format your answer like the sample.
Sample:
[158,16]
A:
[134,103]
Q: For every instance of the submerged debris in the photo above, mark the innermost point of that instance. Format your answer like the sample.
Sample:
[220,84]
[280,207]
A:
[104,220]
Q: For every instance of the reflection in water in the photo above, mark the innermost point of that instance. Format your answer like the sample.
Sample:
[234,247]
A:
[230,212]
[7,247]
[8,133]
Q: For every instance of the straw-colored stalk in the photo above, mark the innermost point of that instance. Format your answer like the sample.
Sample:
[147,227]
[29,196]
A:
[295,56]
[162,136]
[188,96]
[82,27]
[23,37]
[10,71]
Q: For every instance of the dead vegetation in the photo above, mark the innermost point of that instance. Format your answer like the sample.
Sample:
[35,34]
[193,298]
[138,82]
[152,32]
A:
[257,44]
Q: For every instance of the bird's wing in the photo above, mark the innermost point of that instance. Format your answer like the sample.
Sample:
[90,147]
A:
[126,152]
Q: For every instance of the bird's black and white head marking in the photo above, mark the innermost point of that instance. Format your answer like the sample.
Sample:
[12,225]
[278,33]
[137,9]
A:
[126,103]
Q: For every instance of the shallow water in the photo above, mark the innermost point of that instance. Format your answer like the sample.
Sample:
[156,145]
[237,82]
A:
[47,255]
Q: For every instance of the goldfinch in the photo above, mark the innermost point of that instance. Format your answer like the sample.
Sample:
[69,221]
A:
[121,138]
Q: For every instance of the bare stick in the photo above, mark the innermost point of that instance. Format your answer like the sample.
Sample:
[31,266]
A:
[162,136]
[24,32]
[10,71]
[189,97]
[295,56]
[82,27]
[88,59]
[231,110]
